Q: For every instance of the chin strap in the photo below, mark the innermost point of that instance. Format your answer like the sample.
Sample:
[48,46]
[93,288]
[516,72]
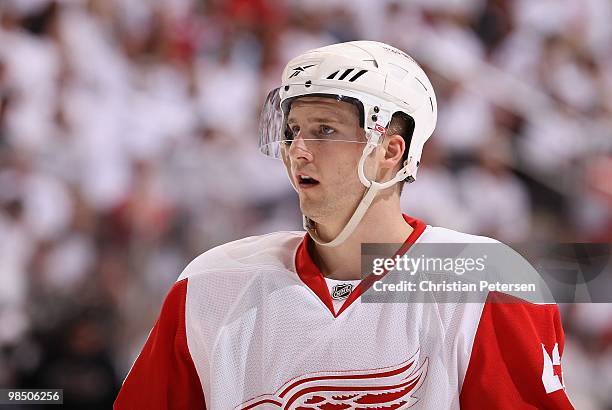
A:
[364,204]
[372,189]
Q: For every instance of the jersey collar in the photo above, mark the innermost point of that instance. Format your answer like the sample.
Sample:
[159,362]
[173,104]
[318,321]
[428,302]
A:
[310,274]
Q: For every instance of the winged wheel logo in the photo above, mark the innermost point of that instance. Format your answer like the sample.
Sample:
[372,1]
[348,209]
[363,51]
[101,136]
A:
[386,388]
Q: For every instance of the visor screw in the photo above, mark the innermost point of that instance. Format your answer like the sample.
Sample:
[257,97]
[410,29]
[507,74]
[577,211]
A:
[376,109]
[308,84]
[374,118]
[286,88]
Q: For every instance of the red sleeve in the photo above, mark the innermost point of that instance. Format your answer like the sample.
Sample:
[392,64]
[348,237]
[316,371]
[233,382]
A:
[516,358]
[164,376]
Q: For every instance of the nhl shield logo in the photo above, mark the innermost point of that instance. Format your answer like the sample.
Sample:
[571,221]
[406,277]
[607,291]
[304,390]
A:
[340,292]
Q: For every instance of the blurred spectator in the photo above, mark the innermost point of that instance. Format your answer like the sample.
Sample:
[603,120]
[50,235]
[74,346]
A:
[504,212]
[436,184]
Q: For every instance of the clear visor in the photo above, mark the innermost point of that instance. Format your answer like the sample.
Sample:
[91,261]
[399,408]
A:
[276,135]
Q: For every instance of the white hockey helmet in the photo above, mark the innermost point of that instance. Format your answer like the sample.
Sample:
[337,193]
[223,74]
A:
[381,80]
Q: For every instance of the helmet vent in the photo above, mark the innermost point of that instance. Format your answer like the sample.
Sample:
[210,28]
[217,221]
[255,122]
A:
[359,74]
[346,73]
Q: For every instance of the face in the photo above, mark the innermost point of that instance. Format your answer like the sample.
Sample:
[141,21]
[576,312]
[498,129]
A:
[324,171]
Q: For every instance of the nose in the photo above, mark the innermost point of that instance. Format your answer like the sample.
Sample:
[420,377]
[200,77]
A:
[298,150]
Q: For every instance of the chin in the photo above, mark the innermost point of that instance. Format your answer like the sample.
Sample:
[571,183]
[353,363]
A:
[319,214]
[310,210]
[306,211]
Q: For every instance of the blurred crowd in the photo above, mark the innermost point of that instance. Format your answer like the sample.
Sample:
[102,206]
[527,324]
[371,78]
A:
[128,145]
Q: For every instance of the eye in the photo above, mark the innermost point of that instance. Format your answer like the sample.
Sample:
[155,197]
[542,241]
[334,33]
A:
[325,130]
[290,133]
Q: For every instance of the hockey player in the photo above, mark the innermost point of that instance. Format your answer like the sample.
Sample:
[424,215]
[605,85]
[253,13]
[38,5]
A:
[276,321]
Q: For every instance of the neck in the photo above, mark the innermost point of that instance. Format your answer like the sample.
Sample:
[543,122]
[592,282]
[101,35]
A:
[382,223]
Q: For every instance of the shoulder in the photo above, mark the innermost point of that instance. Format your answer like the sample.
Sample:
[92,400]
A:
[503,268]
[520,345]
[437,234]
[275,250]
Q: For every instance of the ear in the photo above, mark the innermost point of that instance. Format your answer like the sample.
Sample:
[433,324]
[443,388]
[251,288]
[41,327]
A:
[394,150]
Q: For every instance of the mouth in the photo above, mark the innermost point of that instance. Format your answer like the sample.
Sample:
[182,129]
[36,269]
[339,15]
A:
[305,181]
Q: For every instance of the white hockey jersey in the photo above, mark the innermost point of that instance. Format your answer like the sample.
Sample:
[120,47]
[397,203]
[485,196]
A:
[252,324]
